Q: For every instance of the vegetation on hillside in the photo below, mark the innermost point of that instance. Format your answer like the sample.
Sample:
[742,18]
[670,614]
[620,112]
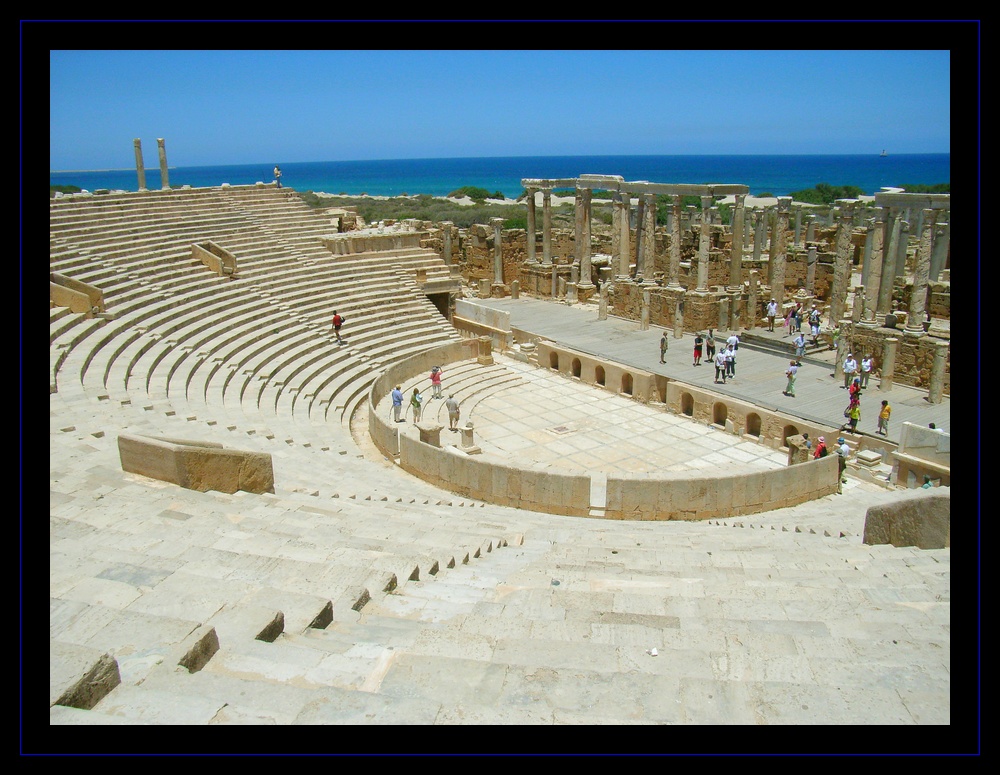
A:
[63,190]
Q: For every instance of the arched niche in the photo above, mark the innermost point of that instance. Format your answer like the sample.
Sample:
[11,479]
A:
[576,367]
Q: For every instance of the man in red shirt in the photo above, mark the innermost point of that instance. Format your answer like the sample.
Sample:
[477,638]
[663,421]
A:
[338,321]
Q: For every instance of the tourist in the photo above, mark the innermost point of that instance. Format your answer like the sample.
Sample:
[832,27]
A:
[821,450]
[928,484]
[850,368]
[853,417]
[733,341]
[866,369]
[436,382]
[453,412]
[855,391]
[720,365]
[883,418]
[789,322]
[807,441]
[730,356]
[664,344]
[710,346]
[814,324]
[416,401]
[772,312]
[790,373]
[843,451]
[797,318]
[338,321]
[277,175]
[697,349]
[397,403]
[800,348]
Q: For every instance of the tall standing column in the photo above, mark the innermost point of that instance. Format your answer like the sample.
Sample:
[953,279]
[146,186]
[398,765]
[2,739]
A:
[889,242]
[753,300]
[935,392]
[674,272]
[902,246]
[841,265]
[446,241]
[921,271]
[578,225]
[781,236]
[164,175]
[703,242]
[888,368]
[586,282]
[497,224]
[649,238]
[640,213]
[811,270]
[736,249]
[758,233]
[547,227]
[939,251]
[621,203]
[139,167]
[869,316]
[798,225]
[866,258]
[530,243]
[810,228]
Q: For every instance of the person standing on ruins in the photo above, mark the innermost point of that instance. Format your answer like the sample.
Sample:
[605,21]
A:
[664,344]
[867,364]
[850,367]
[416,402]
[338,321]
[772,312]
[883,418]
[397,403]
[843,452]
[814,324]
[720,366]
[730,356]
[697,349]
[277,175]
[453,412]
[710,346]
[436,382]
[800,348]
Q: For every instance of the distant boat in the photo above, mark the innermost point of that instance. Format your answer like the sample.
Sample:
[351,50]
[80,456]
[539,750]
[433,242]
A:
[883,153]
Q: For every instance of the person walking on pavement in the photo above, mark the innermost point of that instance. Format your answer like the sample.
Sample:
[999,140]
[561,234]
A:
[853,417]
[790,373]
[730,361]
[800,348]
[436,382]
[720,366]
[883,418]
[850,367]
[814,324]
[664,346]
[397,403]
[710,346]
[697,349]
[416,402]
[866,369]
[772,313]
[843,452]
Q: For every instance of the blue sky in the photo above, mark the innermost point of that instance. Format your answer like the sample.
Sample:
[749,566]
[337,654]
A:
[244,107]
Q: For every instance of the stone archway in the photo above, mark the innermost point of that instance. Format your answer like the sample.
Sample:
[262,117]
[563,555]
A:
[576,367]
[554,361]
[599,376]
[720,413]
[788,430]
[687,404]
[627,383]
[753,424]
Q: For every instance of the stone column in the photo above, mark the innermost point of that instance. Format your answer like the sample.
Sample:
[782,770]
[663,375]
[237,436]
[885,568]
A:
[736,249]
[555,280]
[901,247]
[530,243]
[781,235]
[602,306]
[873,278]
[679,315]
[446,241]
[139,167]
[747,224]
[921,271]
[578,209]
[649,238]
[753,300]
[890,239]
[859,303]
[939,251]
[758,234]
[841,265]
[843,347]
[515,289]
[485,356]
[735,313]
[622,206]
[703,242]
[164,175]
[586,282]
[810,228]
[571,295]
[644,314]
[866,258]
[640,214]
[674,272]
[547,228]
[935,393]
[724,313]
[811,269]
[798,225]
[888,363]
[497,224]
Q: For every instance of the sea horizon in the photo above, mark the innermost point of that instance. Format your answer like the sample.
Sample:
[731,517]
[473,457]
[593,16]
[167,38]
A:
[774,174]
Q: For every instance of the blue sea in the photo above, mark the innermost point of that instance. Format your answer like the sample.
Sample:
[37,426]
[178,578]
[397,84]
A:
[775,175]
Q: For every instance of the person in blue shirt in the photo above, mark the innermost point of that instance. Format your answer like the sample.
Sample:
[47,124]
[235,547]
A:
[397,403]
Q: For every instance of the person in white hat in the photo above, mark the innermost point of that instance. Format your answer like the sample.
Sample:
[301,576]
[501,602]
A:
[850,368]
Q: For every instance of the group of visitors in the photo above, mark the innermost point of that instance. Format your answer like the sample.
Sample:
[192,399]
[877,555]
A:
[417,401]
[725,358]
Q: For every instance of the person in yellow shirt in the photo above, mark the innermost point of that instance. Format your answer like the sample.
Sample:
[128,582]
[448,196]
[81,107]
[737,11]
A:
[883,418]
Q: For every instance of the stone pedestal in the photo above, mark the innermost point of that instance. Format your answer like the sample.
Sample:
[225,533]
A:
[888,363]
[468,444]
[485,356]
[799,449]
[515,289]
[430,433]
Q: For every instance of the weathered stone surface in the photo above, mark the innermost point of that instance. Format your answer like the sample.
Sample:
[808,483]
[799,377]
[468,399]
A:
[923,520]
